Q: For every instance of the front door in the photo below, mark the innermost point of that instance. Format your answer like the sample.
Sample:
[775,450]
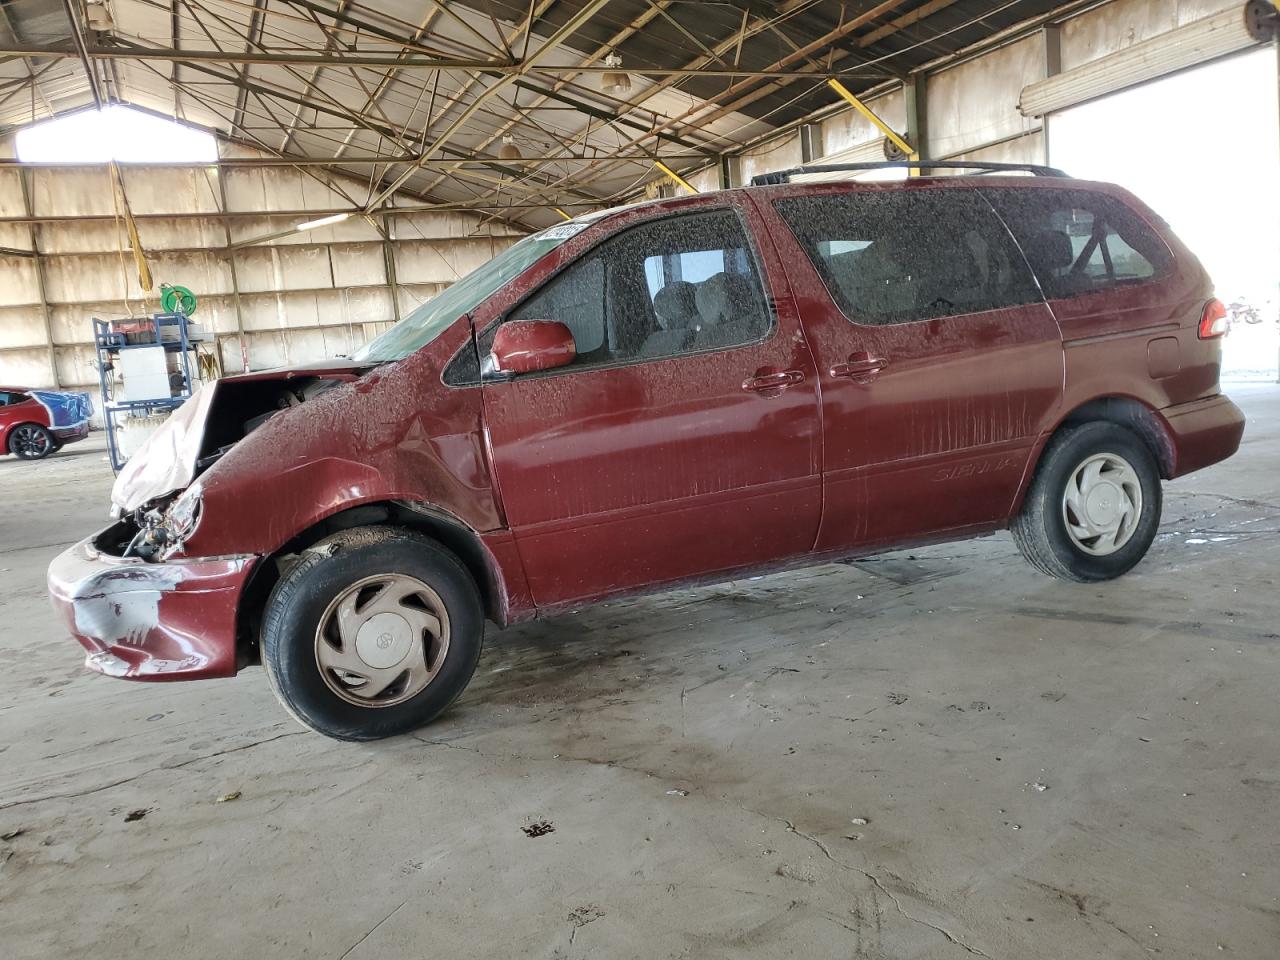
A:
[683,441]
[939,362]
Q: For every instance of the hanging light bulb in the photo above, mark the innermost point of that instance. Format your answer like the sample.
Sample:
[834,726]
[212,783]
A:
[508,150]
[614,80]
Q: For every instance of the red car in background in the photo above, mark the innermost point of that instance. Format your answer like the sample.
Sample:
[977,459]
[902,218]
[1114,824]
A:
[36,423]
[670,393]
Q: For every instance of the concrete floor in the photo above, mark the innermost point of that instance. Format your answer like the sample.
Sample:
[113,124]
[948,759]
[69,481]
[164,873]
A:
[842,761]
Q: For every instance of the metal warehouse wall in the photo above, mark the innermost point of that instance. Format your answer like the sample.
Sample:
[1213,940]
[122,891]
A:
[295,299]
[971,107]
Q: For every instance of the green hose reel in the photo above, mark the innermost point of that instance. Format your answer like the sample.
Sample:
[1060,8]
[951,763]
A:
[175,299]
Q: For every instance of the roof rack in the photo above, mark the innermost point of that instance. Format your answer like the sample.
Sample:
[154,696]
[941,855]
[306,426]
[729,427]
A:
[784,176]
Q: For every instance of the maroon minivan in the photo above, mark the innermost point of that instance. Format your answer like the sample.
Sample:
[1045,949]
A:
[652,396]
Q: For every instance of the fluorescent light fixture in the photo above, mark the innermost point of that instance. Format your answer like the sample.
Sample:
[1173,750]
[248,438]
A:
[114,133]
[322,222]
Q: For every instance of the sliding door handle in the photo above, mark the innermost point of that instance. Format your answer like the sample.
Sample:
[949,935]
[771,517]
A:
[860,366]
[772,381]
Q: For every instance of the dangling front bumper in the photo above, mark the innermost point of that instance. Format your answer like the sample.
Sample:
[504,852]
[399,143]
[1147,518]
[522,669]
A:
[151,621]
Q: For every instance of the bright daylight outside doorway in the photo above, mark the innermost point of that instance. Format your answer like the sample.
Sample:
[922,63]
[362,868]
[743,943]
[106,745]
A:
[1209,166]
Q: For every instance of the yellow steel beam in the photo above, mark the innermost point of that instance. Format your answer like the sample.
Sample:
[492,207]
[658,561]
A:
[675,176]
[867,112]
[562,213]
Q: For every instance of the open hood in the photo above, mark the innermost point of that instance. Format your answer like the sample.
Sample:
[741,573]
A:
[166,461]
[215,418]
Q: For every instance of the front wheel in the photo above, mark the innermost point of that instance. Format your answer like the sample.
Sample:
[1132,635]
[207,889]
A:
[374,632]
[30,441]
[1094,505]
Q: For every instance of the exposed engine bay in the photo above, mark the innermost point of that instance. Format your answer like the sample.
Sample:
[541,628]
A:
[190,443]
[242,407]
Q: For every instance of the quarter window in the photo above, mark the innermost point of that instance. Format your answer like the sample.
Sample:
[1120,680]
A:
[1078,241]
[677,285]
[901,255]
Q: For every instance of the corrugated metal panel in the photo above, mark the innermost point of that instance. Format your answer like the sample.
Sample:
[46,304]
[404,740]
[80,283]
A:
[1119,24]
[770,157]
[1216,36]
[849,129]
[870,152]
[308,295]
[975,103]
[1025,149]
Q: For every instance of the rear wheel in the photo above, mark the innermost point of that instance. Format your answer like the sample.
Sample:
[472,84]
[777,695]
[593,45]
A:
[374,632]
[1094,505]
[30,441]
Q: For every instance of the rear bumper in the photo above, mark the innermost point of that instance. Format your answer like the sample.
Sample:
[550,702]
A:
[150,621]
[70,434]
[1203,432]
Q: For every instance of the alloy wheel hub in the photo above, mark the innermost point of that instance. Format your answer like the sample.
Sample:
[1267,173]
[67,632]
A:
[383,640]
[29,440]
[1102,504]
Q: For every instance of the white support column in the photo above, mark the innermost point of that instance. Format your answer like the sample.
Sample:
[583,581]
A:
[1052,34]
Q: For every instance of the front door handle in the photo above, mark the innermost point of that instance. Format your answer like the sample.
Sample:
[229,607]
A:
[773,380]
[860,366]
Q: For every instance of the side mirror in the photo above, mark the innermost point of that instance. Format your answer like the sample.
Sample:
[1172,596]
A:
[526,346]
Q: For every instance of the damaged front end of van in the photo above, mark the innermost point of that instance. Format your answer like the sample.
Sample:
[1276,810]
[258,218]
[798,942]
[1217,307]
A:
[142,605]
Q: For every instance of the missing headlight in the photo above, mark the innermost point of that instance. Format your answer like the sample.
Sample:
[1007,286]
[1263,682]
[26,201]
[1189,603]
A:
[162,530]
[183,515]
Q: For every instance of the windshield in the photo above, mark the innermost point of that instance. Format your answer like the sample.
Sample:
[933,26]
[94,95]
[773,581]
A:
[438,314]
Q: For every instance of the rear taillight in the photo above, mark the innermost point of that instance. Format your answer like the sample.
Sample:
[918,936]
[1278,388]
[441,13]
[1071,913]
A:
[1213,321]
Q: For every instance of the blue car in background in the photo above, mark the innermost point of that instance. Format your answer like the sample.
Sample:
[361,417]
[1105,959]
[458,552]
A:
[36,423]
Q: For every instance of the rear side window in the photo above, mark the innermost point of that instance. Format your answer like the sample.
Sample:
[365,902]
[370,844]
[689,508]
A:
[897,256]
[1078,241]
[677,285]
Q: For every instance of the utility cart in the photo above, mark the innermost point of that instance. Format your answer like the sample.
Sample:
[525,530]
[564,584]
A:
[146,370]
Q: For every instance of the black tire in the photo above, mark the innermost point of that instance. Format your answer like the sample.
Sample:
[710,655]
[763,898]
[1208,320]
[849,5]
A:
[1040,529]
[327,570]
[30,441]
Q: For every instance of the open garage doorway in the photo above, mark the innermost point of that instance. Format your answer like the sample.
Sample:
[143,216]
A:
[1203,148]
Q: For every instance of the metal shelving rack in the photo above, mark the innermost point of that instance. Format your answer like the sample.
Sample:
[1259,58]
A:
[144,333]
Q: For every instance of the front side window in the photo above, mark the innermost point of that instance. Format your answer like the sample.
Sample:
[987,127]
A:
[899,256]
[677,285]
[1078,241]
[436,315]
